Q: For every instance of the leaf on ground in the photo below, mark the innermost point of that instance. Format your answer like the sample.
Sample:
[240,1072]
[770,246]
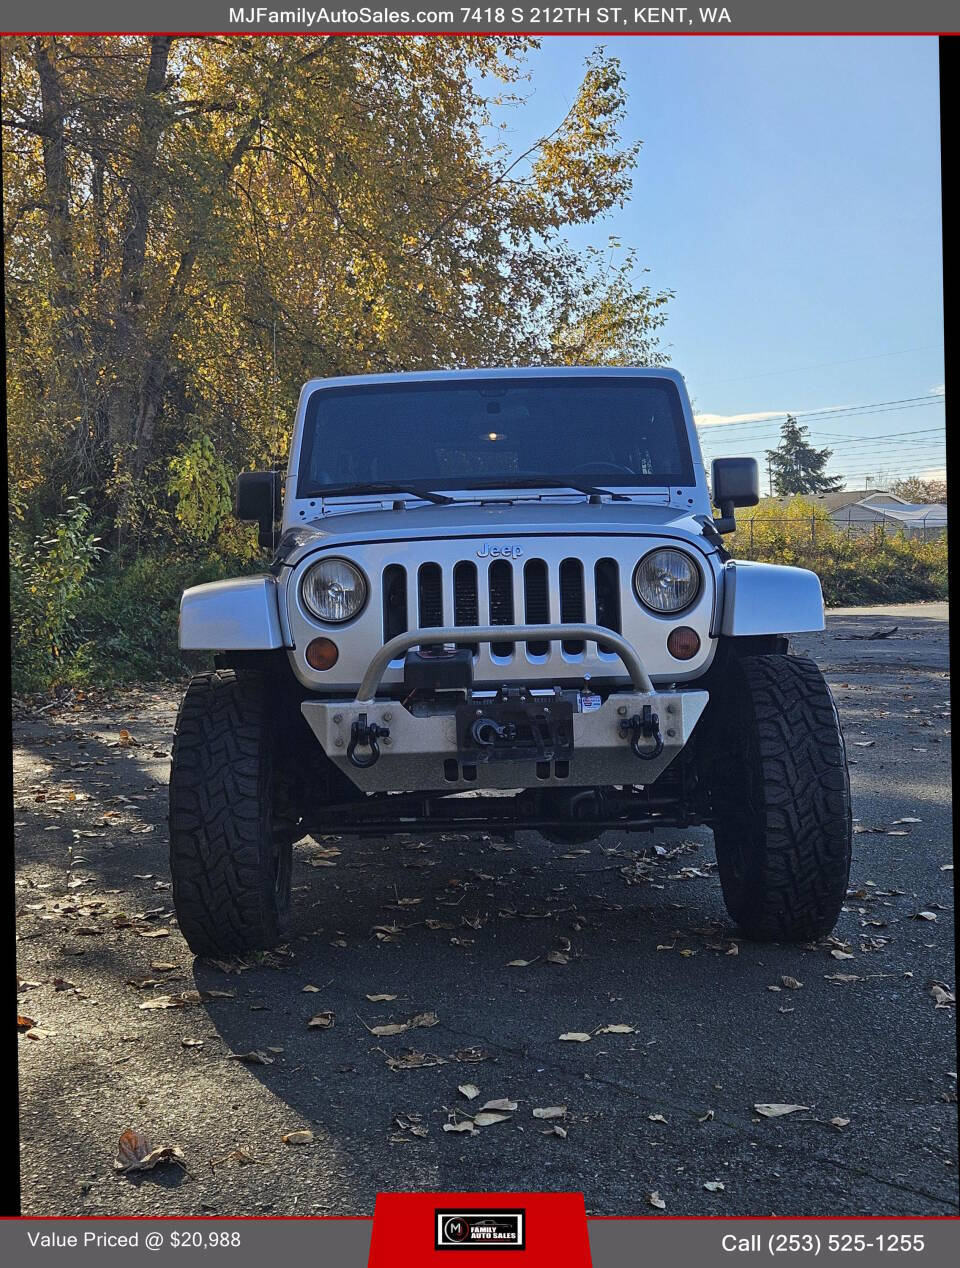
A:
[504,1103]
[185,998]
[550,1111]
[925,915]
[655,1200]
[618,1028]
[25,1023]
[380,999]
[231,966]
[321,1021]
[388,933]
[165,1001]
[298,1138]
[312,990]
[839,1123]
[708,1117]
[398,1027]
[777,1109]
[254,1057]
[656,1118]
[842,977]
[714,1186]
[413,1060]
[520,964]
[469,1090]
[943,997]
[841,955]
[791,983]
[465,1126]
[191,1043]
[486,1118]
[575,1036]
[136,1153]
[557,957]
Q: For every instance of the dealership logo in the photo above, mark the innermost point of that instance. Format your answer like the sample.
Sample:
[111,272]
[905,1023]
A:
[479,1230]
[488,550]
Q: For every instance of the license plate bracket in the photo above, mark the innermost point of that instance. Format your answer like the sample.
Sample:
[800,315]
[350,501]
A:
[518,729]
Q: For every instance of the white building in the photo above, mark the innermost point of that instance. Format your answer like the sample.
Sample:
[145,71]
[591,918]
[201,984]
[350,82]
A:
[926,519]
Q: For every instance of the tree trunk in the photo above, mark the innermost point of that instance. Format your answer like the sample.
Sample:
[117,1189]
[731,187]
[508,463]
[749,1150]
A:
[123,359]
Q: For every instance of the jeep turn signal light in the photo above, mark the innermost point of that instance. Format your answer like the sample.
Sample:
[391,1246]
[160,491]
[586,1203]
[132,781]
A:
[682,643]
[322,653]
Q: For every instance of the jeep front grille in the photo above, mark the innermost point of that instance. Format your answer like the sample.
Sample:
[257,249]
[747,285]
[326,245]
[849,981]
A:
[465,607]
[430,596]
[502,592]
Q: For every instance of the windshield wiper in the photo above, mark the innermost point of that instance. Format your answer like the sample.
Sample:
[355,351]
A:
[335,490]
[548,482]
[494,482]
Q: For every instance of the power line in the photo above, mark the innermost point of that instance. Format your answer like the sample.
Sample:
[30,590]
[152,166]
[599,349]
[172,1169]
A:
[840,411]
[881,438]
[762,436]
[865,469]
[862,440]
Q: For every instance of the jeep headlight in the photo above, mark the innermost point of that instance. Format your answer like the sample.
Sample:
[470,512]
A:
[334,590]
[666,580]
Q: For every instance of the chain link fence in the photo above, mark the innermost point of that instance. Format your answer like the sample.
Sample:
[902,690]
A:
[817,531]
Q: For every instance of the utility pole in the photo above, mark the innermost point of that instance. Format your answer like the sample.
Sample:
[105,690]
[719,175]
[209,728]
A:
[769,478]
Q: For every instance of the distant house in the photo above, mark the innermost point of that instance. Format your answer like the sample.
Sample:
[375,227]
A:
[861,507]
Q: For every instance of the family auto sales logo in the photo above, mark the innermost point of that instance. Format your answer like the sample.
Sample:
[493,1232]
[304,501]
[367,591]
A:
[479,1230]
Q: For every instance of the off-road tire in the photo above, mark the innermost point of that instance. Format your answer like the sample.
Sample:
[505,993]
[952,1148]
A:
[781,793]
[230,853]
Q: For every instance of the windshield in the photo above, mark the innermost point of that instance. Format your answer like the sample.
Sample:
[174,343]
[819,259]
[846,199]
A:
[459,434]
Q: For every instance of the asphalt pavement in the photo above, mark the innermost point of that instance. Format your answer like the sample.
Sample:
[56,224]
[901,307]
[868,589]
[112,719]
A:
[487,952]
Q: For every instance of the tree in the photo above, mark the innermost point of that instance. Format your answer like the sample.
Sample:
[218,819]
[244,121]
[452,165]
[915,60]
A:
[796,466]
[193,226]
[913,489]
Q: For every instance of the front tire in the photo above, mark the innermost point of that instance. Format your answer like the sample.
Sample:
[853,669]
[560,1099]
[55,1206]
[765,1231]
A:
[230,852]
[781,796]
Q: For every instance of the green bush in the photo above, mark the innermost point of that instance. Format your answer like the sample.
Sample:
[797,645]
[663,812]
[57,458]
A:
[51,577]
[83,616]
[879,566]
[128,621]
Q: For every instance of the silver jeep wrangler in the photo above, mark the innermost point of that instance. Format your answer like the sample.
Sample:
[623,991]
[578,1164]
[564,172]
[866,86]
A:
[499,600]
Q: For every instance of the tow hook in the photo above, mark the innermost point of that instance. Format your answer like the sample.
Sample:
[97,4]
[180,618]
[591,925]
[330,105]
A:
[643,726]
[485,732]
[364,734]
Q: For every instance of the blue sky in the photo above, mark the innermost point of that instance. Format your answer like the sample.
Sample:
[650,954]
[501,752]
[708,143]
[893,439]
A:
[788,191]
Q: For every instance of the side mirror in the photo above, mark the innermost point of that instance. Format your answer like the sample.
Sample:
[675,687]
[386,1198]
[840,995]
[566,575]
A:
[736,482]
[258,499]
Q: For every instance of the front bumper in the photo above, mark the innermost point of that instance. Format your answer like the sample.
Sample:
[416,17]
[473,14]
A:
[421,751]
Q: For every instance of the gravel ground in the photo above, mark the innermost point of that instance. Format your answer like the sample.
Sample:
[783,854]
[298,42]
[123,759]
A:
[849,1029]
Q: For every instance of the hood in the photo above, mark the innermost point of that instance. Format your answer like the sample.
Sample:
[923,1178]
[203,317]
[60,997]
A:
[494,522]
